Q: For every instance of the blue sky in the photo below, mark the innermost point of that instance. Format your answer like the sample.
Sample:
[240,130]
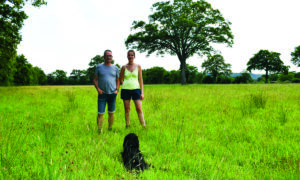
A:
[67,34]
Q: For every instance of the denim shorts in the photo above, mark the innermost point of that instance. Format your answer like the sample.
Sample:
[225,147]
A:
[110,99]
[134,94]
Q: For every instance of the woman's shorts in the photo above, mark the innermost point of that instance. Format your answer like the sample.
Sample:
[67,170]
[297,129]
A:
[134,94]
[110,99]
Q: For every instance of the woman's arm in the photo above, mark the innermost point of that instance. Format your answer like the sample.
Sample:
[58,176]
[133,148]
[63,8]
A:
[141,82]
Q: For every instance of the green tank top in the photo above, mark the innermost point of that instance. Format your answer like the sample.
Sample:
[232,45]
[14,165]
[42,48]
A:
[131,79]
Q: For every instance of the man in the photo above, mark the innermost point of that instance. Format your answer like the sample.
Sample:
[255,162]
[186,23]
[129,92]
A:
[107,84]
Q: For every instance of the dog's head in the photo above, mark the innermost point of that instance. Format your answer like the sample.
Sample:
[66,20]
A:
[131,141]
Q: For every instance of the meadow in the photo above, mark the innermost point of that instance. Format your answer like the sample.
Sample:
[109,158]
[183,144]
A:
[193,132]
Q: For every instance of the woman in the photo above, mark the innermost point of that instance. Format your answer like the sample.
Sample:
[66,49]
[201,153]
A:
[132,88]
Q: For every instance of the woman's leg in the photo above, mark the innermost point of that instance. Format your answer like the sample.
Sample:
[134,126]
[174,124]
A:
[127,112]
[138,107]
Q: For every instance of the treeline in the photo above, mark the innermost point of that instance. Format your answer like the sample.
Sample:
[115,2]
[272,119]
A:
[26,74]
[158,75]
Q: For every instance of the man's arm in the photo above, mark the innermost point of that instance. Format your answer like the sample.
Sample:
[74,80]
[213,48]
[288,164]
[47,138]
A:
[122,75]
[96,85]
[118,85]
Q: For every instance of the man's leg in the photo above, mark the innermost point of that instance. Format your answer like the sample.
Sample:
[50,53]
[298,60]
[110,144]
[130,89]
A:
[110,120]
[100,122]
[101,110]
[138,107]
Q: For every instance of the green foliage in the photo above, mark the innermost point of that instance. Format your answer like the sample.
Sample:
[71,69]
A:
[273,77]
[296,56]
[224,79]
[191,73]
[172,77]
[23,75]
[286,77]
[155,75]
[215,65]
[78,77]
[181,28]
[267,61]
[208,79]
[243,78]
[11,22]
[39,76]
[296,80]
[59,77]
[297,75]
[158,75]
[7,67]
[92,66]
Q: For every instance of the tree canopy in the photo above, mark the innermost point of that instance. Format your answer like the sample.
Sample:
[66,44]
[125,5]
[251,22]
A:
[11,21]
[215,65]
[296,56]
[267,61]
[181,28]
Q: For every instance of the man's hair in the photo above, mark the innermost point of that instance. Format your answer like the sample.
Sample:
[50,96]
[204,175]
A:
[132,52]
[106,51]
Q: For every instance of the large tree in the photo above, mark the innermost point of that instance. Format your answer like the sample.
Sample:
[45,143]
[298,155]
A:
[11,21]
[267,61]
[181,28]
[23,74]
[39,76]
[296,56]
[215,65]
[78,77]
[92,66]
[60,77]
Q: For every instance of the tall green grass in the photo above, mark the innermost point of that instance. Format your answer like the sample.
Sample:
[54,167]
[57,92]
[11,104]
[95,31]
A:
[193,132]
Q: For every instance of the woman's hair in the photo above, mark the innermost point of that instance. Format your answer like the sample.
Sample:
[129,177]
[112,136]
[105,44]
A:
[106,51]
[132,52]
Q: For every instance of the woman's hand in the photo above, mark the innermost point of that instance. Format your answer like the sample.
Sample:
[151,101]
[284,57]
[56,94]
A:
[142,96]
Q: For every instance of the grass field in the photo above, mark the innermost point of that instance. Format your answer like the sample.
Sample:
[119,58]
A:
[193,132]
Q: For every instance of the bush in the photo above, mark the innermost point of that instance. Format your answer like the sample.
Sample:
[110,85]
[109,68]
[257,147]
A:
[285,77]
[208,80]
[296,80]
[224,80]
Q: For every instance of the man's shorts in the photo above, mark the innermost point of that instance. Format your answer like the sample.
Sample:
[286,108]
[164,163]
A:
[110,99]
[134,94]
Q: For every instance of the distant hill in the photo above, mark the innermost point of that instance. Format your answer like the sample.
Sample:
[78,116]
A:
[253,76]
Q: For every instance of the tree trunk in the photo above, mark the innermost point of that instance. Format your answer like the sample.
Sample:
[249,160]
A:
[182,72]
[266,78]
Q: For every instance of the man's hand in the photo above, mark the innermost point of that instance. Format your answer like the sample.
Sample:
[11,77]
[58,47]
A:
[142,96]
[100,91]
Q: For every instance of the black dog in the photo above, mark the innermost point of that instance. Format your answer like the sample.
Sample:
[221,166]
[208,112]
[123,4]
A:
[131,155]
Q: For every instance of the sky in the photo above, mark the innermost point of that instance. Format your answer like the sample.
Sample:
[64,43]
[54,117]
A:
[67,34]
